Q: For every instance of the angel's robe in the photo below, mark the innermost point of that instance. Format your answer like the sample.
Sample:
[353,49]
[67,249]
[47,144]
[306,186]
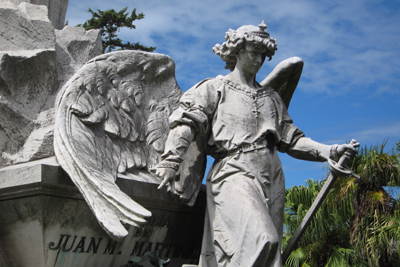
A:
[244,128]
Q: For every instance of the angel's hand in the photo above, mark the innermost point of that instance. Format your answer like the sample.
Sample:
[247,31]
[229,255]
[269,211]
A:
[167,174]
[350,148]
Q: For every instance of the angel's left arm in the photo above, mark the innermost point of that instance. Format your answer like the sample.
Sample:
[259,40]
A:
[307,149]
[294,143]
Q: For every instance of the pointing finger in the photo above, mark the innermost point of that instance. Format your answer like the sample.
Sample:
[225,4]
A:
[163,183]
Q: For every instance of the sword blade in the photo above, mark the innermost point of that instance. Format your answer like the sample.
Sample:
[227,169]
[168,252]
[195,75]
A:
[310,214]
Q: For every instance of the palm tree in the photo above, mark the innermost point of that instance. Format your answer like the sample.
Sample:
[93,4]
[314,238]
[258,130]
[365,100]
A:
[374,231]
[359,222]
[327,237]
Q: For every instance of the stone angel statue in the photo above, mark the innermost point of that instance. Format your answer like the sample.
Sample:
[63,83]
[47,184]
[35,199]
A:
[244,124]
[123,113]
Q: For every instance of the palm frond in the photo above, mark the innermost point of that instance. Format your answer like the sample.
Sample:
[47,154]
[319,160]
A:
[340,257]
[295,258]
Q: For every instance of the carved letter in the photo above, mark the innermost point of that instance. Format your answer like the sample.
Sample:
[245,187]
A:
[51,245]
[110,247]
[93,245]
[66,242]
[81,245]
[138,248]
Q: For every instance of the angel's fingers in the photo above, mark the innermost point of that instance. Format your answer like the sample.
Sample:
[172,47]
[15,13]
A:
[163,183]
[353,148]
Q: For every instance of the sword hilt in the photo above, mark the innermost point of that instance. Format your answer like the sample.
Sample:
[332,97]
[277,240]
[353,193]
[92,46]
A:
[339,168]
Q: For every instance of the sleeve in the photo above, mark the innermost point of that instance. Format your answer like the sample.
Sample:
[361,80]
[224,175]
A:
[307,149]
[196,109]
[288,133]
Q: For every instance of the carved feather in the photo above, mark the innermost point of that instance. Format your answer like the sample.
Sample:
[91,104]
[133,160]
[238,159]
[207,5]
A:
[155,134]
[102,129]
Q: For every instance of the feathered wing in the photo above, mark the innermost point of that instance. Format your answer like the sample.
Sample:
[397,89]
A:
[285,77]
[112,117]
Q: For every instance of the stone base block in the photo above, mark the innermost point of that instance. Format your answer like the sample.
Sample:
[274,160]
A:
[45,221]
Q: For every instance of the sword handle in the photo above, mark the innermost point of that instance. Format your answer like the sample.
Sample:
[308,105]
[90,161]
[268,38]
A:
[339,168]
[348,154]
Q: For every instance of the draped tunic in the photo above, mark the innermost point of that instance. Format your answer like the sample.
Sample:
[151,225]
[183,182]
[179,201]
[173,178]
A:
[244,128]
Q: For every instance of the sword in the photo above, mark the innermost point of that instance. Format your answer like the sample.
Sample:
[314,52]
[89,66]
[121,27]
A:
[337,169]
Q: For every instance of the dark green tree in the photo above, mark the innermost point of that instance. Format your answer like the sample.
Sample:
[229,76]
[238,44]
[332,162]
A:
[109,22]
[375,225]
[327,239]
[359,222]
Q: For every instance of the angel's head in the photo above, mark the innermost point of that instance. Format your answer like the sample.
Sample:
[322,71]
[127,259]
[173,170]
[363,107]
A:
[249,35]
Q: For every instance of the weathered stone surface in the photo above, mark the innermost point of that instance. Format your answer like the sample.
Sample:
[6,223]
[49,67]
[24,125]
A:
[28,86]
[75,46]
[37,145]
[27,79]
[111,118]
[25,27]
[46,222]
[14,129]
[57,9]
[32,69]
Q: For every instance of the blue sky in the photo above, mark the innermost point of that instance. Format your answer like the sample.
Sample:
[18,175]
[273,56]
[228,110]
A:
[350,82]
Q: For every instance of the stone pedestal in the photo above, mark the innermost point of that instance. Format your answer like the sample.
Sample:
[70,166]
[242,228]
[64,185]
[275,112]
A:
[44,221]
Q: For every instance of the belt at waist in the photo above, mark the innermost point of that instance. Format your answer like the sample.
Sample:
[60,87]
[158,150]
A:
[249,147]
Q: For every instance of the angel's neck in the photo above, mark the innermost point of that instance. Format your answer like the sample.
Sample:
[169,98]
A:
[243,78]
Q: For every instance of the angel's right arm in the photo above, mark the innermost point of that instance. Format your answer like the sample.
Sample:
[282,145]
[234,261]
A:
[178,141]
[192,117]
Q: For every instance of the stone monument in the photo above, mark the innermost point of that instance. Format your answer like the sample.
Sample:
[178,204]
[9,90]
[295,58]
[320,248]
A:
[112,118]
[56,10]
[35,62]
[121,128]
[46,220]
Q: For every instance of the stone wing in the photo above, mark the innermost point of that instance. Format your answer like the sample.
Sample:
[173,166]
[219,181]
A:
[284,78]
[111,119]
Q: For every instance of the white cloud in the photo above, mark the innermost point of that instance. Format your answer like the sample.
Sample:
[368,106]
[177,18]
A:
[344,44]
[350,48]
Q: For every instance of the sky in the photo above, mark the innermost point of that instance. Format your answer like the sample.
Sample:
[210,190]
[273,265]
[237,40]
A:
[349,88]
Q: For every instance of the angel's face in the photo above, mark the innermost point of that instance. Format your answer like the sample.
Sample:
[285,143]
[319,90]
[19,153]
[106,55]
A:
[250,59]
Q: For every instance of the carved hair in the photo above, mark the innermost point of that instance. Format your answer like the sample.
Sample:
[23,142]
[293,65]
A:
[235,40]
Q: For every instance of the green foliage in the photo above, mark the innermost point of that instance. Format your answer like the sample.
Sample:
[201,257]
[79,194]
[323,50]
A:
[375,211]
[341,257]
[328,231]
[359,222]
[109,22]
[296,258]
[381,238]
